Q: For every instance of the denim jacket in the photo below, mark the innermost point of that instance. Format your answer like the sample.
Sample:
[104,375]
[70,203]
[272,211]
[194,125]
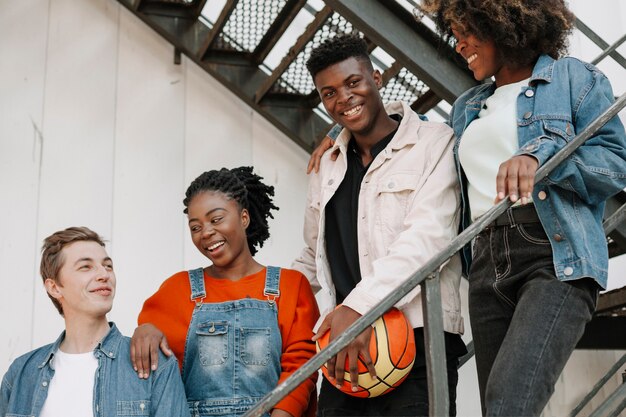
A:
[118,391]
[563,97]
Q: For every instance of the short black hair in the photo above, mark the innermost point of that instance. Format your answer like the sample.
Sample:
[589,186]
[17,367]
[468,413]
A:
[337,49]
[245,187]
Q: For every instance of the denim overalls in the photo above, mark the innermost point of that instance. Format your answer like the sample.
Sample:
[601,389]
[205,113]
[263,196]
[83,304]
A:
[233,350]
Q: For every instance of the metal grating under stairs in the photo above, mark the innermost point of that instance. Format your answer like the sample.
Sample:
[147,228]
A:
[258,49]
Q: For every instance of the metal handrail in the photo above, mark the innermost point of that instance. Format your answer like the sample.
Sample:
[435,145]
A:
[615,219]
[429,268]
[609,50]
[469,355]
[595,38]
[616,399]
[598,386]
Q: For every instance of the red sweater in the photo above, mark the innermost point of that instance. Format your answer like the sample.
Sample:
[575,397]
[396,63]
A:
[170,310]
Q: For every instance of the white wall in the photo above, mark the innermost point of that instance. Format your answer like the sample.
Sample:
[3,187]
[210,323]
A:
[99,128]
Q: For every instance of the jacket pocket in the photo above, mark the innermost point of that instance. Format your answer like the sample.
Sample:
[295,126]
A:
[533,233]
[559,129]
[133,408]
[213,343]
[393,194]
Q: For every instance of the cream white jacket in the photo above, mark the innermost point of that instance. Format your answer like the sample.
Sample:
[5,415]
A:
[408,211]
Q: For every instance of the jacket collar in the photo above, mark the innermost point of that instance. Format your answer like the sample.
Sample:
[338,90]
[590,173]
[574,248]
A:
[109,345]
[542,71]
[410,123]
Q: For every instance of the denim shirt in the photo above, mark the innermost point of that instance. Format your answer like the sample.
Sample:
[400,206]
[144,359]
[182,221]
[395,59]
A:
[563,97]
[118,391]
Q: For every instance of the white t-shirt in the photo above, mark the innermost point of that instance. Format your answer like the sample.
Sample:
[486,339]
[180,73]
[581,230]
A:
[488,141]
[70,393]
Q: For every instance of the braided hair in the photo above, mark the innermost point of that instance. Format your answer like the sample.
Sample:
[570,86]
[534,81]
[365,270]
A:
[246,188]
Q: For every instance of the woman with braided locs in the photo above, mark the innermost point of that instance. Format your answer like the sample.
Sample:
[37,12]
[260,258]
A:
[237,328]
[537,269]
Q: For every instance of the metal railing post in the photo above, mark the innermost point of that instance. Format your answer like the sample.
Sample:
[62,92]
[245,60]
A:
[435,348]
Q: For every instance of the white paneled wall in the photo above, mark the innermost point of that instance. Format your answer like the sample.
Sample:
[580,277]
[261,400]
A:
[24,31]
[149,165]
[78,129]
[98,127]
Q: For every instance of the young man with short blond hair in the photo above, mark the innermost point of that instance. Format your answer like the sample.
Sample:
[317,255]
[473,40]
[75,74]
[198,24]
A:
[87,371]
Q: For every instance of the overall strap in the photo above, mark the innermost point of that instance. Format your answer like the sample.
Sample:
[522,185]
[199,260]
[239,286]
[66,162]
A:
[272,281]
[196,281]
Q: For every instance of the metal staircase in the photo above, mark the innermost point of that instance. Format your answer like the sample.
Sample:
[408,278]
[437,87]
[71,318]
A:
[235,44]
[243,44]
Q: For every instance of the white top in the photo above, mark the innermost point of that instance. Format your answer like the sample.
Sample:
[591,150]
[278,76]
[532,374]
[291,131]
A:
[70,393]
[488,141]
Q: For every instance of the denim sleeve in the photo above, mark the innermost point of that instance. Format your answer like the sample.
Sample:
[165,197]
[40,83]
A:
[168,393]
[541,148]
[334,132]
[597,169]
[5,394]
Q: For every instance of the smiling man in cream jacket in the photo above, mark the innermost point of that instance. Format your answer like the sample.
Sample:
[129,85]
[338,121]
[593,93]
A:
[374,215]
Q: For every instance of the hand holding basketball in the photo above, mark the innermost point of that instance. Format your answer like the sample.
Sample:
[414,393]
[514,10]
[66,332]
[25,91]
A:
[337,322]
[391,351]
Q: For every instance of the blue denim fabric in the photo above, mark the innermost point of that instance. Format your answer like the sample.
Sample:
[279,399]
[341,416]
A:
[563,97]
[233,350]
[117,390]
[525,322]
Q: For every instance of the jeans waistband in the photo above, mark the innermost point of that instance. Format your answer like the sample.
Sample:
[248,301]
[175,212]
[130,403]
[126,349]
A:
[516,215]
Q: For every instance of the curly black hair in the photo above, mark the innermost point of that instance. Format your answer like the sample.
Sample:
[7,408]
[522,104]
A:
[520,29]
[337,49]
[247,189]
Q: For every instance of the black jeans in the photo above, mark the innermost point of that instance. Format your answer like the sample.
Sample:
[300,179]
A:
[409,399]
[525,322]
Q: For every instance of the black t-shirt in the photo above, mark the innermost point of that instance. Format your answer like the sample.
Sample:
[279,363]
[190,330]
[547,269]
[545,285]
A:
[342,210]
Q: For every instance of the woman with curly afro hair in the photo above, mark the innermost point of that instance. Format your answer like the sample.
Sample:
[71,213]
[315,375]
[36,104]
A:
[237,328]
[537,269]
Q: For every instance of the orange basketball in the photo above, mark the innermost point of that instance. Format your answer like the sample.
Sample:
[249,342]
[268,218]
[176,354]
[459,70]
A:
[392,348]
